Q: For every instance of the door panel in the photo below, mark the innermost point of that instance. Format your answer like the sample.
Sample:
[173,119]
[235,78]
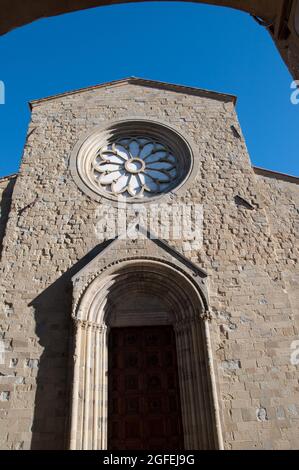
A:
[144,410]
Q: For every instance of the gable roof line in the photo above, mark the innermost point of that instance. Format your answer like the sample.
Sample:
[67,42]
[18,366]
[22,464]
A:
[145,82]
[153,238]
[276,174]
[8,177]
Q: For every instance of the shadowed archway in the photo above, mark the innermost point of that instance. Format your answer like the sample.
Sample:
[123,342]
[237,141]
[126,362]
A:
[119,297]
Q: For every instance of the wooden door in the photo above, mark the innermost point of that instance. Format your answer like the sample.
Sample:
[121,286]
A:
[144,410]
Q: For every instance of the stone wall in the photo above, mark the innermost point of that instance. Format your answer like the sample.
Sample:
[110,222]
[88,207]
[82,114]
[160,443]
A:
[250,261]
[281,197]
[6,189]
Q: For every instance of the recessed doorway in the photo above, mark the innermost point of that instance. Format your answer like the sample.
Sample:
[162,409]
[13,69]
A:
[144,407]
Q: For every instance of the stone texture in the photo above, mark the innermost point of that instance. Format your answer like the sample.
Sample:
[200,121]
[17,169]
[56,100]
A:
[250,256]
[6,188]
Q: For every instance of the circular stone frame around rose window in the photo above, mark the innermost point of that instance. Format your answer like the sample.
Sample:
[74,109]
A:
[135,160]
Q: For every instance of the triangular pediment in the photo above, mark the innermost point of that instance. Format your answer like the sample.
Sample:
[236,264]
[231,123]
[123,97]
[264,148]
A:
[187,90]
[138,244]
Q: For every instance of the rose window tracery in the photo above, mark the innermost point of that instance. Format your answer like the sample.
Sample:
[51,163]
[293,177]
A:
[136,160]
[135,166]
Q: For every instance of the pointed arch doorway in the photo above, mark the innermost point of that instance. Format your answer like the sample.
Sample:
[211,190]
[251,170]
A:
[147,298]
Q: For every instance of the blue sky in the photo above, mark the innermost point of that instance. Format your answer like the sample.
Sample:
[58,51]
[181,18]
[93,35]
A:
[197,45]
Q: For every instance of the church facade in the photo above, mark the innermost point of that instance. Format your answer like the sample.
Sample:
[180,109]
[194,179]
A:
[149,278]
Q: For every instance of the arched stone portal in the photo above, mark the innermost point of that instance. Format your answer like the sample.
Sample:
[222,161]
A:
[142,293]
[280,17]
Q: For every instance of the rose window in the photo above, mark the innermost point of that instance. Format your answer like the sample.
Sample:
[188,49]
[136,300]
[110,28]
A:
[134,167]
[136,160]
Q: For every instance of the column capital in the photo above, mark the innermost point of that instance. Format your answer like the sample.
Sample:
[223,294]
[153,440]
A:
[207,315]
[86,325]
[182,323]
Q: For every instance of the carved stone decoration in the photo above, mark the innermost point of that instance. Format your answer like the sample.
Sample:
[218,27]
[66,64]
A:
[134,160]
[135,167]
[181,303]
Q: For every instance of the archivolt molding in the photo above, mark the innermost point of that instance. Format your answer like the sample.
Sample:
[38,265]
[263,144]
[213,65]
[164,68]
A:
[187,306]
[96,286]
